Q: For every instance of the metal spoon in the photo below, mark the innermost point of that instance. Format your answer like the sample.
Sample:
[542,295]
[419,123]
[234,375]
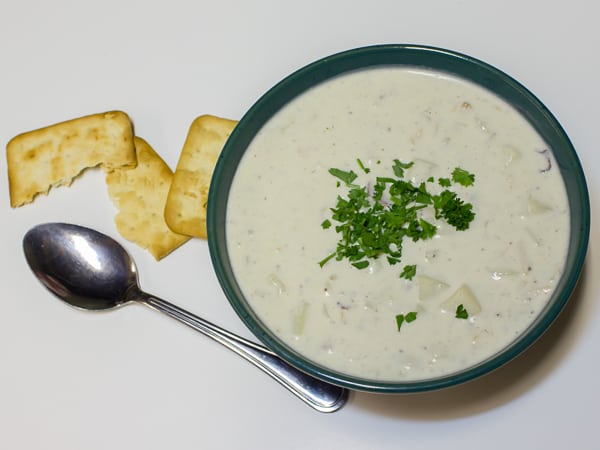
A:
[90,270]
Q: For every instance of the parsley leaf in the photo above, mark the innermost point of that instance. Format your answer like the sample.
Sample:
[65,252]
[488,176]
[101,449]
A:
[361,264]
[409,272]
[346,176]
[463,177]
[456,212]
[461,312]
[399,321]
[444,182]
[401,318]
[362,166]
[326,259]
[411,316]
[399,167]
[428,230]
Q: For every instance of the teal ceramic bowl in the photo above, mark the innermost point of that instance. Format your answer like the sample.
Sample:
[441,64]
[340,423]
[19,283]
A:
[414,56]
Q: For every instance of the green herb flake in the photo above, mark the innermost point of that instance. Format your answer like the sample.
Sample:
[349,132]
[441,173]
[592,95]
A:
[326,259]
[346,176]
[326,224]
[399,321]
[409,272]
[444,182]
[410,317]
[461,312]
[399,167]
[456,212]
[428,230]
[402,318]
[362,166]
[361,264]
[463,177]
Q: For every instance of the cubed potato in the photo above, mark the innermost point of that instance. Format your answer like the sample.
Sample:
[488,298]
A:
[462,296]
[429,287]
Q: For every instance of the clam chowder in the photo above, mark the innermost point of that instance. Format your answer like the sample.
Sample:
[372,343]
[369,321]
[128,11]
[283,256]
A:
[471,291]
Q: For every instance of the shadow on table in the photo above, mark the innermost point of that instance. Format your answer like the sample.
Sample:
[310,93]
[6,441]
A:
[497,388]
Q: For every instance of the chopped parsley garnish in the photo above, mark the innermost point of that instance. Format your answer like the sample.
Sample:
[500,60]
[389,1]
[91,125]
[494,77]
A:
[374,220]
[444,182]
[326,259]
[411,316]
[461,312]
[400,166]
[326,224]
[409,272]
[362,166]
[361,264]
[346,177]
[463,177]
[456,212]
[408,318]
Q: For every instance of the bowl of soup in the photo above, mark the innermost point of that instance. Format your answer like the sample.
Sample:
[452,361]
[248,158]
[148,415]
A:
[398,218]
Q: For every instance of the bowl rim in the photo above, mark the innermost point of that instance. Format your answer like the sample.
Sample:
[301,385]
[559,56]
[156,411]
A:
[424,57]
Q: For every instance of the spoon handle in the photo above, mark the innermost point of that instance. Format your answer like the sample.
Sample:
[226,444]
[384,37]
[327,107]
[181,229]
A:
[322,396]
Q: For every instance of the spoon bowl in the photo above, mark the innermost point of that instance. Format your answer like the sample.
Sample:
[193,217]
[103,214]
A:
[84,268]
[91,271]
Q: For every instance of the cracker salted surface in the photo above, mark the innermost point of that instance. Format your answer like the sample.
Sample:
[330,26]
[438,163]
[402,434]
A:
[54,155]
[140,195]
[185,210]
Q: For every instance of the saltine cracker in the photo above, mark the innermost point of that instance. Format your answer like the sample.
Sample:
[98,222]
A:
[185,210]
[54,155]
[140,195]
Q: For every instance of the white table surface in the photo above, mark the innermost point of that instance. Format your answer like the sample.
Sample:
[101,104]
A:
[133,379]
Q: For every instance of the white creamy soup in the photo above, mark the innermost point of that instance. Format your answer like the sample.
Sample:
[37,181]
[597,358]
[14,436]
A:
[501,271]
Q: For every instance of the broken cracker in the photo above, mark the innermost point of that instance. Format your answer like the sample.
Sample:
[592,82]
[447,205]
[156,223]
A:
[185,210]
[53,156]
[140,195]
